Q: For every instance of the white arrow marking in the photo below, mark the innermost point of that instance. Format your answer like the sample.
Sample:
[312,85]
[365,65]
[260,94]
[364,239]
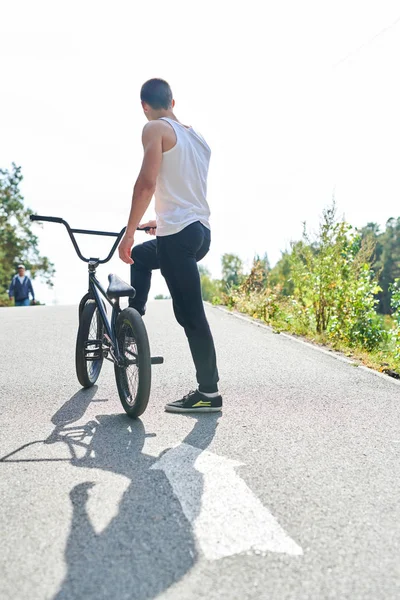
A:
[226,516]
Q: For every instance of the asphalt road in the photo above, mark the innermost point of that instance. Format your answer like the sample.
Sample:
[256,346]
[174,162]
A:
[291,493]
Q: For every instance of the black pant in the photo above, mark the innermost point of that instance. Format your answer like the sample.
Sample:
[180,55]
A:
[177,255]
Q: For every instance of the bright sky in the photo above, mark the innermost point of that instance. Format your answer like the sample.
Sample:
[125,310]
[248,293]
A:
[287,122]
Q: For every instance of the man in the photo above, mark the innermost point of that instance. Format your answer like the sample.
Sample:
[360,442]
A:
[174,168]
[20,287]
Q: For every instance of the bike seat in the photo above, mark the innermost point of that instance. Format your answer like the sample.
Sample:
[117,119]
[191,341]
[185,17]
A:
[118,288]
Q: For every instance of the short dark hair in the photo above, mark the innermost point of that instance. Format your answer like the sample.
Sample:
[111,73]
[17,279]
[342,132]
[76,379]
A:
[156,93]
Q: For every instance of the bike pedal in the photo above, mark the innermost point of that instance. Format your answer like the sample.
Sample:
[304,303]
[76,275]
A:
[94,349]
[96,343]
[157,360]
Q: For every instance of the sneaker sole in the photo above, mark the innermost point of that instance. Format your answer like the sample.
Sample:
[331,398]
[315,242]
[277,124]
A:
[193,410]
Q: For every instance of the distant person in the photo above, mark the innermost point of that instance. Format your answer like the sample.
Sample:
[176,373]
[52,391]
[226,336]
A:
[175,169]
[21,286]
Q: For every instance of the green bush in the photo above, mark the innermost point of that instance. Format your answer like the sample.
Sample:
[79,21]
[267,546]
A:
[395,306]
[5,300]
[334,284]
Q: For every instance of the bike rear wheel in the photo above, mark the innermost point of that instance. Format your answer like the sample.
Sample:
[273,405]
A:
[89,345]
[134,377]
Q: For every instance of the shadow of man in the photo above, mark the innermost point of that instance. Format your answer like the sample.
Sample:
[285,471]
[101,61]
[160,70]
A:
[149,544]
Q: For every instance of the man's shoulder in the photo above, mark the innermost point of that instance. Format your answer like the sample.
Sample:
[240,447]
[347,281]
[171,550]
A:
[159,125]
[156,131]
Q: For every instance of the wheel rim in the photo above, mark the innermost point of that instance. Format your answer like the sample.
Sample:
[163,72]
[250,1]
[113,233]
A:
[95,333]
[129,352]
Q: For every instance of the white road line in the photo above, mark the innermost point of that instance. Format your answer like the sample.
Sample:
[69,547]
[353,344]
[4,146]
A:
[227,518]
[315,347]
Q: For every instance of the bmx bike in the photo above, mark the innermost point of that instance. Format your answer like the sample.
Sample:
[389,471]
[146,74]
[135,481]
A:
[122,340]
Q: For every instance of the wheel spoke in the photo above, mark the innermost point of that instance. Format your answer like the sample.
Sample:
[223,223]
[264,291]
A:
[95,333]
[129,350]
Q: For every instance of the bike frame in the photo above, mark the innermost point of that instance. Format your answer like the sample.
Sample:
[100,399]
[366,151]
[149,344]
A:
[95,287]
[96,291]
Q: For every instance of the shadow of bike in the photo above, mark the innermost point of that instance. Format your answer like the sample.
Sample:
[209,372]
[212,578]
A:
[149,544]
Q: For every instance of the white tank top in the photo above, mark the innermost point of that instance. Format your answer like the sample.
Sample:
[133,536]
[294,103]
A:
[181,188]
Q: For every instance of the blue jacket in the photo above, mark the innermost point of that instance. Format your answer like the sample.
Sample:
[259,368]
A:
[19,290]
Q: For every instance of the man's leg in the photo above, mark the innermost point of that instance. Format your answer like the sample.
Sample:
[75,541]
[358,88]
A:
[145,261]
[178,256]
[25,302]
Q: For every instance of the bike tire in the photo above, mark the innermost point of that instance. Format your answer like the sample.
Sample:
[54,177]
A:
[134,378]
[90,327]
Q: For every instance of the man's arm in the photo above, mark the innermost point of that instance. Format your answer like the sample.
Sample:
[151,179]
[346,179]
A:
[145,185]
[30,289]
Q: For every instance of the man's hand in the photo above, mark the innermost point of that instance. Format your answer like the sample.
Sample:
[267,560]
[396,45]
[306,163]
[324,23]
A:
[152,225]
[125,249]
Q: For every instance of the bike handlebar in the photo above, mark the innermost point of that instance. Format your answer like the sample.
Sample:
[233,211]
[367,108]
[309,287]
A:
[40,218]
[88,232]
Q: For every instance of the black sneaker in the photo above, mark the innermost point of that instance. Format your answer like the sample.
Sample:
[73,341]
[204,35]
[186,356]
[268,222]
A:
[195,402]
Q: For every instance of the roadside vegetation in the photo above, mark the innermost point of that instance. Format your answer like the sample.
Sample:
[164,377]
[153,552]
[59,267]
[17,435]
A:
[339,287]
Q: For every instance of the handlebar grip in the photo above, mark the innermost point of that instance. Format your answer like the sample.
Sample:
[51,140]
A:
[145,228]
[40,218]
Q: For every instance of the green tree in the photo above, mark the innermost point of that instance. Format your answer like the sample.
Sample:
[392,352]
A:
[210,288]
[395,306]
[232,270]
[385,259]
[280,275]
[263,266]
[264,261]
[17,242]
[388,263]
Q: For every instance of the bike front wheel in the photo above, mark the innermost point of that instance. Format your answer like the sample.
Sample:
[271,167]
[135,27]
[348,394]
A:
[88,353]
[133,375]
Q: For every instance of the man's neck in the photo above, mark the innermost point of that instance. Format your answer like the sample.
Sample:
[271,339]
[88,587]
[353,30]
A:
[166,113]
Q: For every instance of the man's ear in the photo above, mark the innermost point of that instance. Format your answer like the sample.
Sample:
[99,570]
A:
[145,107]
[173,103]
